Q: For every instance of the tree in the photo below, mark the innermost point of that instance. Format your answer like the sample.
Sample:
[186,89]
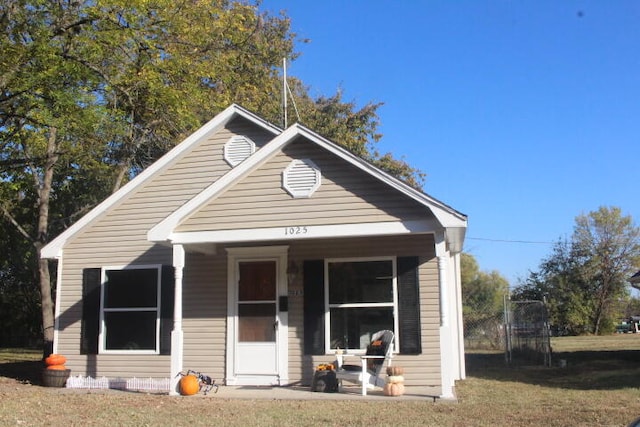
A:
[482,299]
[92,92]
[609,245]
[558,281]
[585,279]
[101,89]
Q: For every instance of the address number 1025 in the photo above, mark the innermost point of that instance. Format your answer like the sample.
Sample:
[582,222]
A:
[291,231]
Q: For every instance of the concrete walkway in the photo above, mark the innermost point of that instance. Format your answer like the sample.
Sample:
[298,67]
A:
[427,394]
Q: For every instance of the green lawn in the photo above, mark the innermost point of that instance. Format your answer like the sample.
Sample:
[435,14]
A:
[599,387]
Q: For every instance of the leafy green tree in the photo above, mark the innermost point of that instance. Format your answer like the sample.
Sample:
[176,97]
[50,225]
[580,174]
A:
[482,298]
[585,279]
[558,281]
[609,245]
[92,92]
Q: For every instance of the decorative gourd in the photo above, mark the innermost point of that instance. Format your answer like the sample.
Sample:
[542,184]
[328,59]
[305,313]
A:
[189,385]
[56,368]
[55,359]
[395,370]
[393,389]
[394,379]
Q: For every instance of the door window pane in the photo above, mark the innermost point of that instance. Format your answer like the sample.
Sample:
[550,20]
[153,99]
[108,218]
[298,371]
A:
[257,281]
[256,322]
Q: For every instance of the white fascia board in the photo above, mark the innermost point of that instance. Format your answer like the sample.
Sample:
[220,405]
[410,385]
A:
[53,249]
[305,232]
[161,231]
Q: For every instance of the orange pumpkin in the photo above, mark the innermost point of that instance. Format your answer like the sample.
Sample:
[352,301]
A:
[189,385]
[55,359]
[393,389]
[56,367]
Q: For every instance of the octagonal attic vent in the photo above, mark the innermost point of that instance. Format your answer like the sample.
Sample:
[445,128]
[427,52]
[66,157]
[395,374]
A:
[237,149]
[301,178]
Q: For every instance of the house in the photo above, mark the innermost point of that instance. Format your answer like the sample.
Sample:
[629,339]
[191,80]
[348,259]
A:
[253,254]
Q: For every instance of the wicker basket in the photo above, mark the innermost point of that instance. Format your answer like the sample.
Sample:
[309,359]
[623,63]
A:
[55,378]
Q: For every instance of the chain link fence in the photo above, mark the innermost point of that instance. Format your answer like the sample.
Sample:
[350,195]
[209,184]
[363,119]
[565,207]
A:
[519,328]
[484,328]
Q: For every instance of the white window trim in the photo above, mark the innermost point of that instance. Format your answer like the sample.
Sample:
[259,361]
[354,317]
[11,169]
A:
[103,333]
[327,306]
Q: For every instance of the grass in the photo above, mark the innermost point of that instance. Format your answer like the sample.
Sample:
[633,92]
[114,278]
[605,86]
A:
[599,387]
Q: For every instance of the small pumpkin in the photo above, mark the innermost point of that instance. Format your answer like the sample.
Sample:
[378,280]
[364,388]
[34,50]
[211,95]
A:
[55,359]
[394,379]
[395,370]
[393,389]
[189,385]
[57,368]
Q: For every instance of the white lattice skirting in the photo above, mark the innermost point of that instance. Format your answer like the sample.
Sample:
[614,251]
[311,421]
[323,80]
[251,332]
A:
[153,385]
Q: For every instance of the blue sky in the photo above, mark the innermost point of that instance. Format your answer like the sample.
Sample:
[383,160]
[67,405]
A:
[523,114]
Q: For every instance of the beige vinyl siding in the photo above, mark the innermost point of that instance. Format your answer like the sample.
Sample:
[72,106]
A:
[347,196]
[119,237]
[205,314]
[423,369]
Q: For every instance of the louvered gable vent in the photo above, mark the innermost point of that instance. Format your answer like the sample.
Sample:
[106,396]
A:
[301,178]
[237,149]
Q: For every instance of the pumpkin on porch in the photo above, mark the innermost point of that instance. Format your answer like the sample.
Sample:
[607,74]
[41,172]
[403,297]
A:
[189,385]
[395,381]
[56,368]
[55,359]
[393,389]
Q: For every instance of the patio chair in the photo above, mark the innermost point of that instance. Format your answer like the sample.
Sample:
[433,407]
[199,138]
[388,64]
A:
[369,372]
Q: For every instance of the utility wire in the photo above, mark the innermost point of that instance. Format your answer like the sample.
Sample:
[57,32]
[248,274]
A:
[510,241]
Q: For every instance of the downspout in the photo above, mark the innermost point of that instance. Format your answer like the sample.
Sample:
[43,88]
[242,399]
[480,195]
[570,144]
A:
[177,334]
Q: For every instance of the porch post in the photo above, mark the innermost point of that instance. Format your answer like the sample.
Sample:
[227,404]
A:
[447,353]
[176,333]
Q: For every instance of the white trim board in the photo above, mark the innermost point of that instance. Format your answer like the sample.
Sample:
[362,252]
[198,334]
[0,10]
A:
[305,232]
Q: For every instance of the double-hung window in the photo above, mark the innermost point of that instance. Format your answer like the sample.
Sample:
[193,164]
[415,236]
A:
[361,299]
[130,309]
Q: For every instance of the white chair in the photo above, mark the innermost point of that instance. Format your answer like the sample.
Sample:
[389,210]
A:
[369,372]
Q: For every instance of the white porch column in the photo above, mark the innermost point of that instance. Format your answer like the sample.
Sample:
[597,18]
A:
[448,360]
[176,333]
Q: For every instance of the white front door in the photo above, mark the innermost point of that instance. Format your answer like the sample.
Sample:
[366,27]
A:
[256,324]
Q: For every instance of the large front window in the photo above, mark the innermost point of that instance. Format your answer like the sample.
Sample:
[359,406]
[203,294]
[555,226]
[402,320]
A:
[361,301]
[130,309]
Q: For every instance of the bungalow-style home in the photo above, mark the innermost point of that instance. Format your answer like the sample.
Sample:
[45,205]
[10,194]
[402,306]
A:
[253,254]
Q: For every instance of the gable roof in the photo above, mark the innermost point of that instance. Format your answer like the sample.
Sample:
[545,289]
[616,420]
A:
[53,249]
[635,278]
[451,220]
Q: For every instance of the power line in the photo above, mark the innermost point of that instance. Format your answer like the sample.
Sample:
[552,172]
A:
[510,241]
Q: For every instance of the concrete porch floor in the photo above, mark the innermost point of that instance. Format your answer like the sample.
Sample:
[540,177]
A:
[295,392]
